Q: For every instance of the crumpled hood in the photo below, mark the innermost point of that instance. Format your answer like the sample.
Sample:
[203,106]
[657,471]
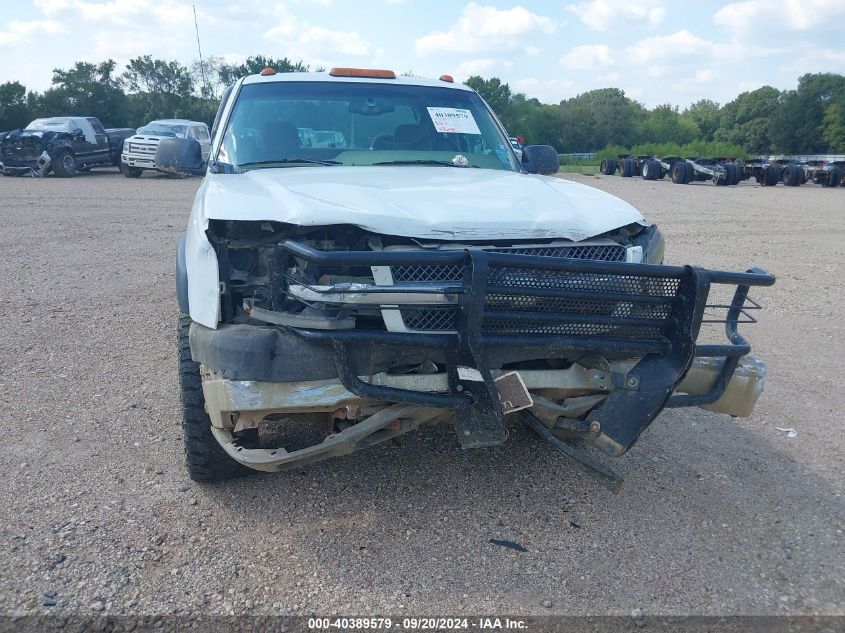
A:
[25,133]
[442,203]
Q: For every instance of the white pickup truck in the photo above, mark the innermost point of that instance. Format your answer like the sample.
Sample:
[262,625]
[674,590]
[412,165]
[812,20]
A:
[139,150]
[335,297]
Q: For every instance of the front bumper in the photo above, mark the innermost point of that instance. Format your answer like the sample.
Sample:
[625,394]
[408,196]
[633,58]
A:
[634,324]
[36,167]
[137,161]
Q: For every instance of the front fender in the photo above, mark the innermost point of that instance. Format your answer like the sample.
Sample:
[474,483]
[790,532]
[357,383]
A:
[58,145]
[182,276]
[202,269]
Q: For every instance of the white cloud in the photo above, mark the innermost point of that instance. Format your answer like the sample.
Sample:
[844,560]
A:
[323,40]
[482,28]
[129,14]
[704,75]
[741,18]
[818,60]
[667,47]
[18,32]
[316,43]
[610,77]
[658,71]
[588,57]
[475,66]
[546,90]
[602,14]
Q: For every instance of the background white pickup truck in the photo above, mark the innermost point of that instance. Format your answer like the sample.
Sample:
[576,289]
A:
[139,151]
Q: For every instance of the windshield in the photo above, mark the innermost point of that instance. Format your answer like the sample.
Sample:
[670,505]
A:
[292,124]
[161,129]
[53,125]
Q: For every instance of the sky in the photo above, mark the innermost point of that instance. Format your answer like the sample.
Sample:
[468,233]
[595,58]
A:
[657,52]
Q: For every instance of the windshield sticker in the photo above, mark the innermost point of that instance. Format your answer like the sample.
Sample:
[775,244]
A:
[453,121]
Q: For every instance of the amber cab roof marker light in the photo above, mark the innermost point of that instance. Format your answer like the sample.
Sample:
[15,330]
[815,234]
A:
[374,73]
[268,71]
[448,78]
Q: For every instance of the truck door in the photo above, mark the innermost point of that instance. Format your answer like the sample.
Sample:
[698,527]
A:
[101,148]
[200,133]
[81,147]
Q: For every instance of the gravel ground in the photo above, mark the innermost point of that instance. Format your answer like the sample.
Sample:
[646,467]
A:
[718,516]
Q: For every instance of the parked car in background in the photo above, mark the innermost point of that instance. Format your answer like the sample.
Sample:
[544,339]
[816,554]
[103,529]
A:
[139,150]
[517,147]
[65,145]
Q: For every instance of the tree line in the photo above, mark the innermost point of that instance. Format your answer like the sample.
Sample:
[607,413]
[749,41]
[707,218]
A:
[807,120]
[146,89]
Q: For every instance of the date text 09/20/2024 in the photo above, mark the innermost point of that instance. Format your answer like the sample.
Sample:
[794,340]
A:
[417,624]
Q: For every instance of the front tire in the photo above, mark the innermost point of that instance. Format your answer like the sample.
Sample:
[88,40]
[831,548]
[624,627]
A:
[205,459]
[130,172]
[64,165]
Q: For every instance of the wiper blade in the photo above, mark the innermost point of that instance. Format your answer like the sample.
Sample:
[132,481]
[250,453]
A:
[308,161]
[444,163]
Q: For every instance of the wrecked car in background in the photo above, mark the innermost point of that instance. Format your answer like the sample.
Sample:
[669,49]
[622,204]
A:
[139,150]
[335,297]
[64,145]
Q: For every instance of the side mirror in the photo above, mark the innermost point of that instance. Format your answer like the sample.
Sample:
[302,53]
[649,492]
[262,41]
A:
[540,159]
[180,156]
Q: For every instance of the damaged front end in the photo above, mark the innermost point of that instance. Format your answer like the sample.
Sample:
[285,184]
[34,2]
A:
[26,153]
[368,336]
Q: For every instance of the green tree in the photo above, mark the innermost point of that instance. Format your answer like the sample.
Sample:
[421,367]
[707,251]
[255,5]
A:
[745,120]
[598,118]
[664,124]
[16,106]
[228,74]
[159,89]
[87,89]
[497,94]
[705,114]
[833,127]
[797,126]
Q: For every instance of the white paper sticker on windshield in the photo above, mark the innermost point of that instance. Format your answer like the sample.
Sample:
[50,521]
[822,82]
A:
[453,121]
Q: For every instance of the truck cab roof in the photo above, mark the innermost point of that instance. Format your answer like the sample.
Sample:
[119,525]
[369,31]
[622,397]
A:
[327,77]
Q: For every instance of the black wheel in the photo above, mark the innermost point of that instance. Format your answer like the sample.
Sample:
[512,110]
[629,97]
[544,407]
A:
[630,167]
[610,166]
[834,177]
[791,176]
[737,173]
[130,172]
[649,171]
[679,173]
[770,176]
[64,164]
[205,459]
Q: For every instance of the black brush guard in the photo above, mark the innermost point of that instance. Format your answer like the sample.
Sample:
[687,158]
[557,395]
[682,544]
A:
[587,308]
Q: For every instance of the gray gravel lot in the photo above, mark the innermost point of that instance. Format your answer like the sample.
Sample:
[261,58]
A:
[718,516]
